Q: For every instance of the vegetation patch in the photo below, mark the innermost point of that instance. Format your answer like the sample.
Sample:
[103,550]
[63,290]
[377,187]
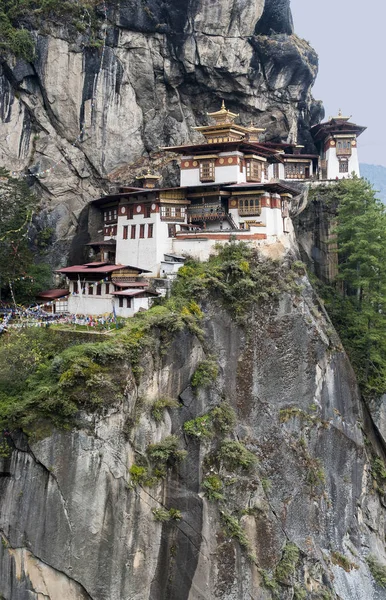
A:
[213,487]
[300,593]
[287,565]
[356,303]
[342,561]
[378,571]
[205,374]
[220,419]
[378,471]
[292,412]
[159,458]
[234,455]
[159,407]
[163,515]
[18,17]
[235,530]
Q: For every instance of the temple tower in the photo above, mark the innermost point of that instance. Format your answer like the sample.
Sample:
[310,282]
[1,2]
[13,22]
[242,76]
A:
[336,141]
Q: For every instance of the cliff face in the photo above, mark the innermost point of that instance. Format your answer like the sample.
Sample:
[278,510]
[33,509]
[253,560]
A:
[75,526]
[165,64]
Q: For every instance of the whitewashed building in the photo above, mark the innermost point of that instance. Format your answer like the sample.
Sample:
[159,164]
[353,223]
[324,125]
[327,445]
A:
[100,288]
[338,147]
[232,186]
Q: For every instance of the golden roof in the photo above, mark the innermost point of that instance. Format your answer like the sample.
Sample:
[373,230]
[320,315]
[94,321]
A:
[254,129]
[340,117]
[223,115]
[148,175]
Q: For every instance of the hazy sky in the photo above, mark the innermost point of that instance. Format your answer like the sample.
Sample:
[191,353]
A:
[350,39]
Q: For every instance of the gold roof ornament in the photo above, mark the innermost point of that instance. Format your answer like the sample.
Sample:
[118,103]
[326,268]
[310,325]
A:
[340,117]
[148,180]
[254,129]
[148,175]
[223,115]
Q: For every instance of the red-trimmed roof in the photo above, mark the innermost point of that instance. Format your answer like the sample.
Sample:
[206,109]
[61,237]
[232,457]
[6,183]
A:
[132,284]
[87,268]
[274,187]
[131,293]
[52,294]
[224,146]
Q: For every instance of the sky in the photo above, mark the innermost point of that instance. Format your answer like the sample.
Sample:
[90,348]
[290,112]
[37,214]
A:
[350,39]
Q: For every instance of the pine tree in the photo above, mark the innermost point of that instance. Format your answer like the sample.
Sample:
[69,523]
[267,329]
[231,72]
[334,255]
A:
[360,312]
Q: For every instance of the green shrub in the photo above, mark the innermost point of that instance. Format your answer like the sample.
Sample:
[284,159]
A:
[223,418]
[166,453]
[5,449]
[205,374]
[377,570]
[159,406]
[141,475]
[213,487]
[234,529]
[220,419]
[234,455]
[287,565]
[300,593]
[269,582]
[200,427]
[163,515]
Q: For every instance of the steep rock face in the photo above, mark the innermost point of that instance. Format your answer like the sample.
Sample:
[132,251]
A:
[71,518]
[164,66]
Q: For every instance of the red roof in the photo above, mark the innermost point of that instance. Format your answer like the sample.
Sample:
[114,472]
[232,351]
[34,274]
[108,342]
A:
[52,294]
[106,268]
[131,293]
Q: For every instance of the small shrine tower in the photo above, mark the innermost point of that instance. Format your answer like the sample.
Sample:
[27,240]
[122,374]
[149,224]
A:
[336,141]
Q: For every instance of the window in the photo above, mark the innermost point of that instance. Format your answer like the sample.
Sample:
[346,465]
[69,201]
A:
[130,212]
[99,290]
[254,168]
[128,302]
[147,211]
[132,232]
[276,171]
[343,147]
[110,215]
[120,302]
[171,230]
[90,289]
[173,213]
[107,288]
[343,166]
[207,170]
[249,206]
[75,287]
[295,170]
[111,231]
[125,231]
[142,231]
[150,230]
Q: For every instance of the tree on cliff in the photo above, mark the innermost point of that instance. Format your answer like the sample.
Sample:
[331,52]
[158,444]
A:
[359,309]
[17,269]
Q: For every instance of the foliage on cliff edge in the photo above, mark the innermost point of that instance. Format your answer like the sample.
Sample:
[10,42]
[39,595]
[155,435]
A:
[42,376]
[357,300]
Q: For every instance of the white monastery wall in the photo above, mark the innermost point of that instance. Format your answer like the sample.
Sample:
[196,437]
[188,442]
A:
[136,305]
[90,305]
[333,164]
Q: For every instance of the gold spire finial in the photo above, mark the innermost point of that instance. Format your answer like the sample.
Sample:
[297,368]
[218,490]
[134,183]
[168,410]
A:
[223,105]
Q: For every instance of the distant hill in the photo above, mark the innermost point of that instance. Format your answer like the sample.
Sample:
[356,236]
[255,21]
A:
[376,174]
